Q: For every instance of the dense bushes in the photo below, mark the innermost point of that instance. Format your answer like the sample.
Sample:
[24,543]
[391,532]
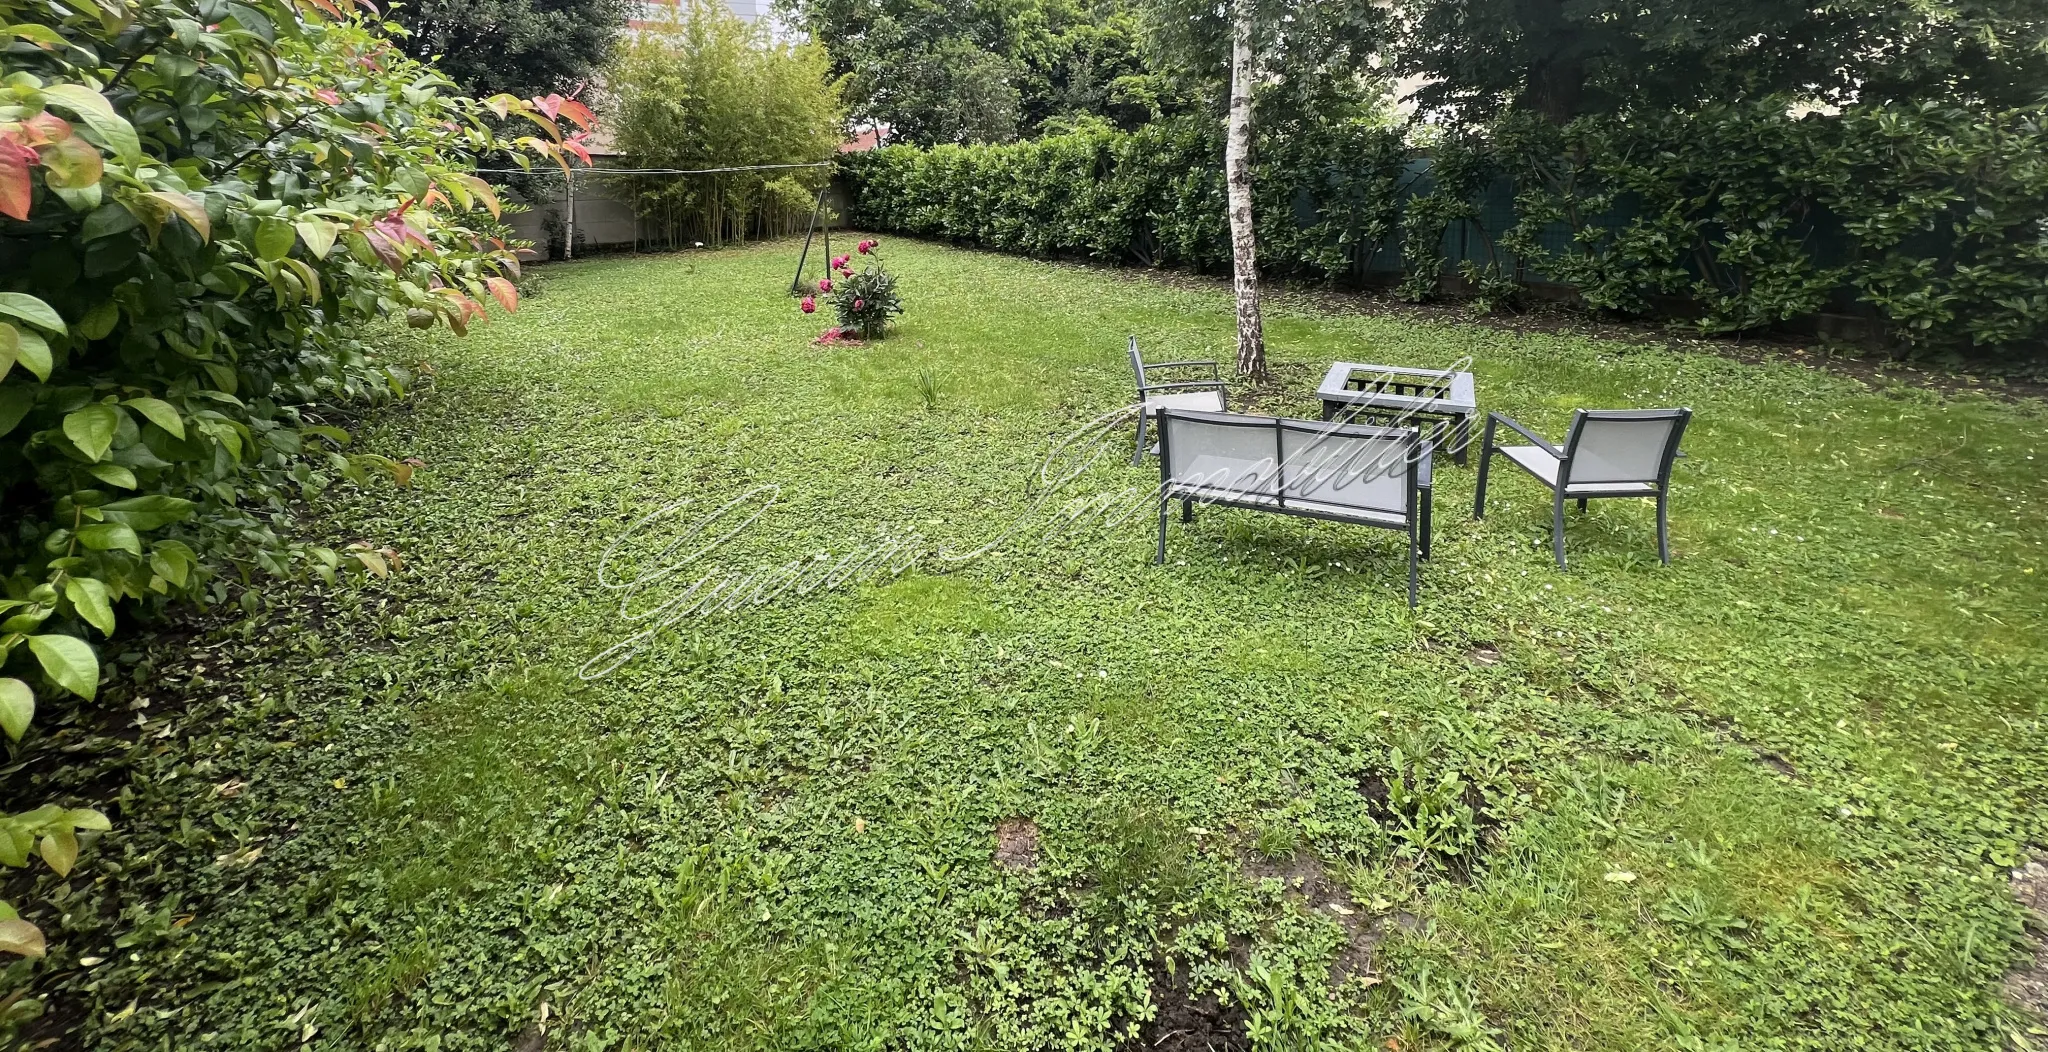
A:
[1152,196]
[1932,222]
[199,206]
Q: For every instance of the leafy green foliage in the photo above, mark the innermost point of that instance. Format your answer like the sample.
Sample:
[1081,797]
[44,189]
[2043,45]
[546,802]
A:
[519,47]
[1925,220]
[777,830]
[986,72]
[202,206]
[1929,217]
[1561,59]
[706,90]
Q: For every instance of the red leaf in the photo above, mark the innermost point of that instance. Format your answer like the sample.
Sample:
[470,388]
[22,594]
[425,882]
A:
[328,96]
[549,104]
[45,128]
[383,247]
[399,231]
[579,113]
[574,144]
[504,292]
[14,185]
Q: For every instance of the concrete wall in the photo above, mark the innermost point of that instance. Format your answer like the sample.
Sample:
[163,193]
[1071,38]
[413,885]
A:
[605,223]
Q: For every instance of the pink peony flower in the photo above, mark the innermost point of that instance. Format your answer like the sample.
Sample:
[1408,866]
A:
[865,247]
[858,304]
[824,284]
[839,262]
[809,305]
[847,274]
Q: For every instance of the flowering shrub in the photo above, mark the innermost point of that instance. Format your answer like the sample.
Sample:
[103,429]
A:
[864,301]
[203,210]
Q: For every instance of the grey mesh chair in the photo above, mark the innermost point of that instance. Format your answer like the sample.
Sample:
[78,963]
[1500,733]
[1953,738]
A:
[1609,453]
[1207,396]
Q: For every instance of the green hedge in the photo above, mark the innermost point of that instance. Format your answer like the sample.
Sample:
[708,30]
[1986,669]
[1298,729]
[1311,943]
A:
[1153,196]
[1931,223]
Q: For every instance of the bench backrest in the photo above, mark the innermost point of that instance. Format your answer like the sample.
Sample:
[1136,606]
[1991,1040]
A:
[1622,446]
[1262,459]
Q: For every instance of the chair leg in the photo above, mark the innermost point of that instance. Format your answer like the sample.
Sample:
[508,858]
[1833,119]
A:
[1557,529]
[1428,529]
[1463,437]
[1187,511]
[1582,504]
[1485,459]
[1663,532]
[1411,563]
[1138,454]
[1163,505]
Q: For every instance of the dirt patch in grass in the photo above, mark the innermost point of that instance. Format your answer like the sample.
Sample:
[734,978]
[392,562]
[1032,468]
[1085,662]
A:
[1483,654]
[1281,393]
[1185,1022]
[1017,843]
[2027,985]
[1778,763]
[1309,883]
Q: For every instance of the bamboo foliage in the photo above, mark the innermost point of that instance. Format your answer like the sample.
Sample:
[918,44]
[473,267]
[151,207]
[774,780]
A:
[707,90]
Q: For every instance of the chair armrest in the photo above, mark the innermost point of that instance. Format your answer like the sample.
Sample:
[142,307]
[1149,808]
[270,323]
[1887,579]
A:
[1207,385]
[1532,436]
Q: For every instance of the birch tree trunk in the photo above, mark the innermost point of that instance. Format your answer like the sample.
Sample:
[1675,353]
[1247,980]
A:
[1237,174]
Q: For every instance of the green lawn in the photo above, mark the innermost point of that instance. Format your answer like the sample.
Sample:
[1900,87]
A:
[1765,797]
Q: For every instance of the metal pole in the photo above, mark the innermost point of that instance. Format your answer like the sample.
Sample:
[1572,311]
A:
[796,284]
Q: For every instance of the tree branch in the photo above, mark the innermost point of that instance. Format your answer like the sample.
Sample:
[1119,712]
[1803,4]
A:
[130,64]
[271,138]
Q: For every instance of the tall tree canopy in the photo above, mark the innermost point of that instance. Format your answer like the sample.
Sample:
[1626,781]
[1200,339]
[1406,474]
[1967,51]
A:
[524,47]
[707,90]
[1564,58]
[937,71]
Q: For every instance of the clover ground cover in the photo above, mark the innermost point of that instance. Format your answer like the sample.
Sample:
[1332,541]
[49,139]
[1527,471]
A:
[1060,797]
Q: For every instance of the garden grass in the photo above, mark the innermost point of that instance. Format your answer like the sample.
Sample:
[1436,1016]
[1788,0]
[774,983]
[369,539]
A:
[1764,797]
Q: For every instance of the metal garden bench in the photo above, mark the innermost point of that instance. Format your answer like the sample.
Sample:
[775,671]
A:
[1356,473]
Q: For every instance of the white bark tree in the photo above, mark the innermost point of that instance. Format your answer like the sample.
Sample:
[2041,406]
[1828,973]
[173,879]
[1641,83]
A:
[1237,173]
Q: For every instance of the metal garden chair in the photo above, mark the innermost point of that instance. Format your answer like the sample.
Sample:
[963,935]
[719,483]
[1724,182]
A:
[1202,395]
[1609,453]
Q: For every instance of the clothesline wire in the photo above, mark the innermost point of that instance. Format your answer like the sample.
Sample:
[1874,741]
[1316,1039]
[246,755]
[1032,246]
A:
[668,171]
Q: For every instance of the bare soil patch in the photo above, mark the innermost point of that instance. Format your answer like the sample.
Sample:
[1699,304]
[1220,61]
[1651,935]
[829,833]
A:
[2027,985]
[1017,843]
[1186,1022]
[1309,883]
